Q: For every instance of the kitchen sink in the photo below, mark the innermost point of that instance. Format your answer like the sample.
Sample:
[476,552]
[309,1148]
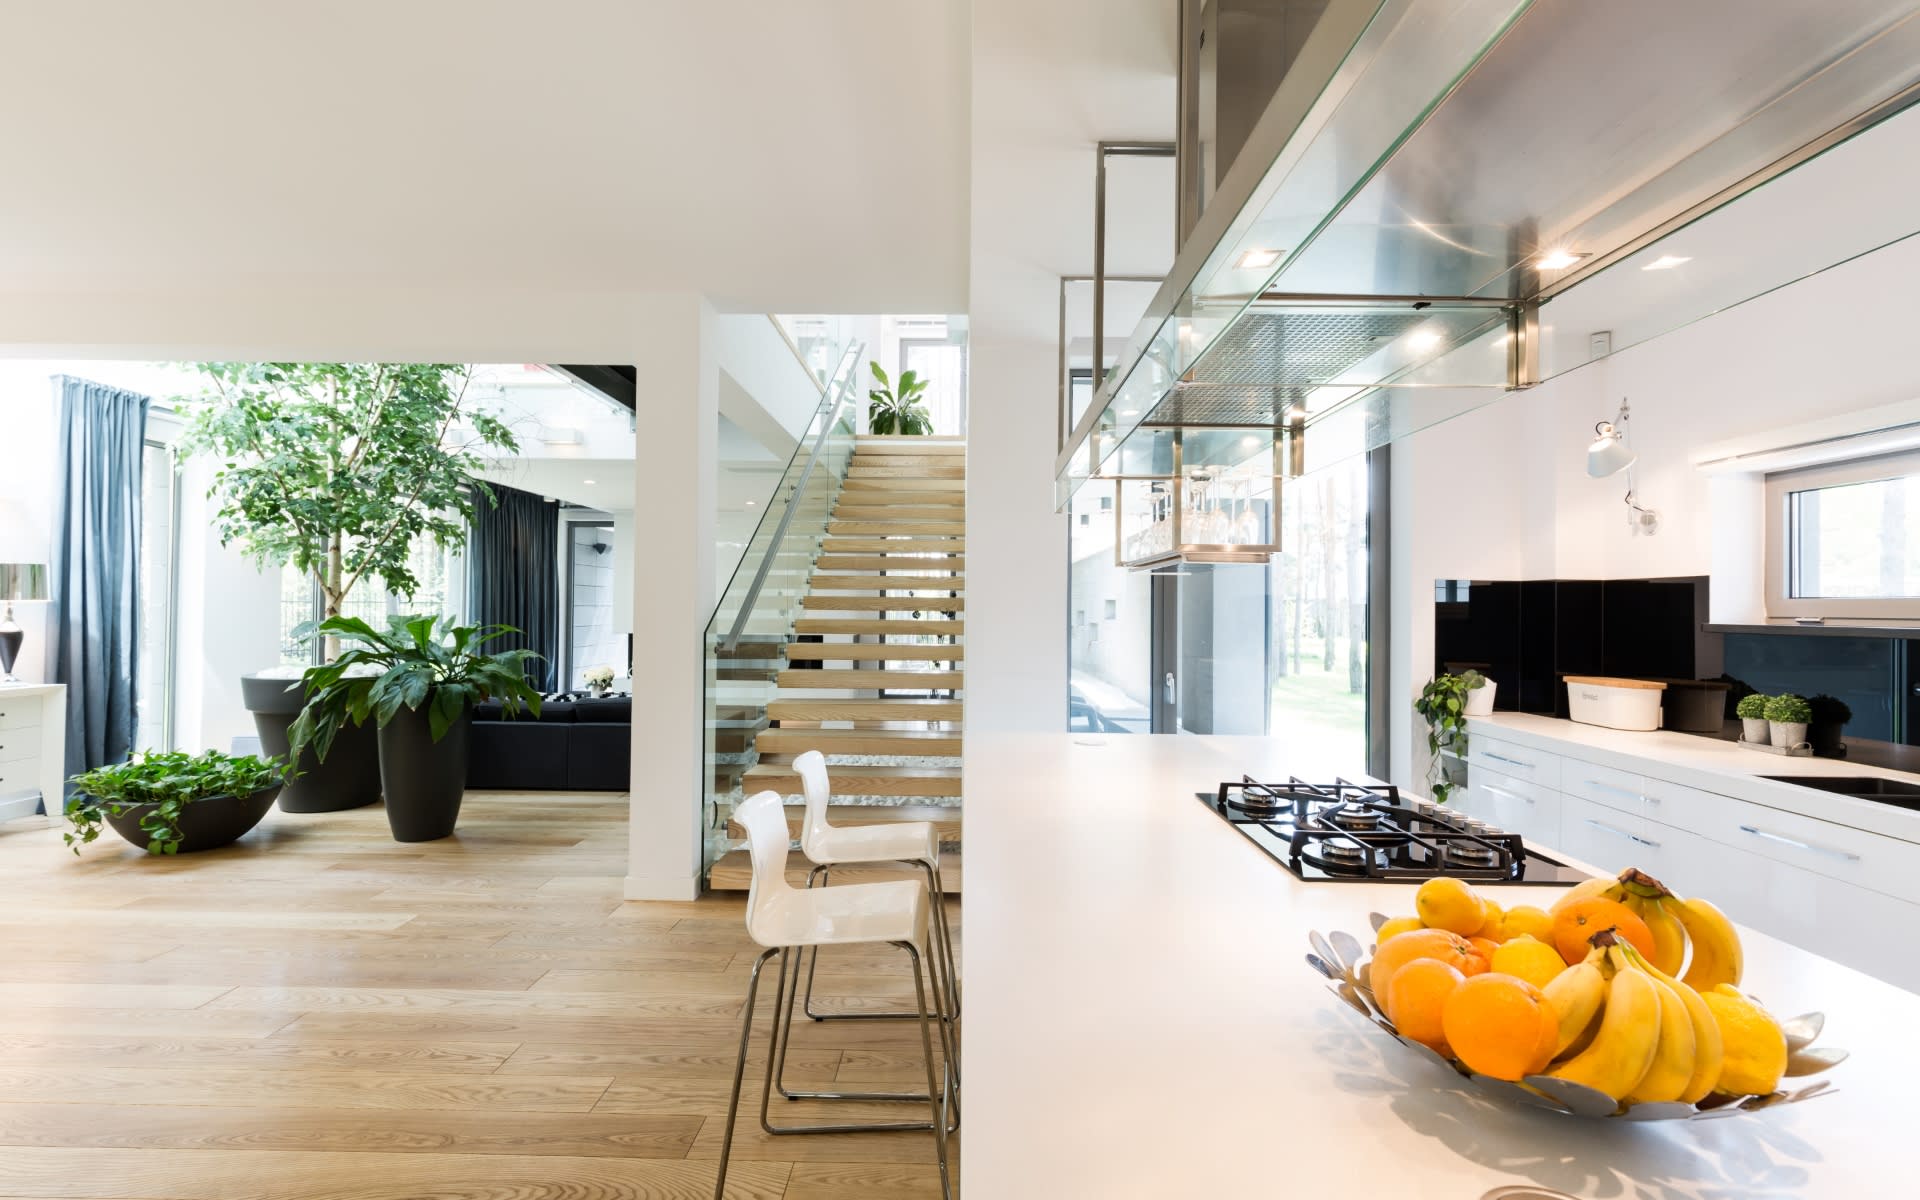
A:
[1881,790]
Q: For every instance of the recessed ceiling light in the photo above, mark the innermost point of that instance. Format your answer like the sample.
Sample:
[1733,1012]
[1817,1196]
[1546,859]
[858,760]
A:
[1257,259]
[749,504]
[1558,259]
[586,481]
[1425,339]
[1666,262]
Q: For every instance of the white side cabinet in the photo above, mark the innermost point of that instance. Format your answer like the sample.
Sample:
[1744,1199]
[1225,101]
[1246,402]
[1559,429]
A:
[33,748]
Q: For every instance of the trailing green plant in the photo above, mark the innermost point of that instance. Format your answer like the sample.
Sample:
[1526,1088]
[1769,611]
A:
[1752,707]
[898,410]
[1443,704]
[1789,709]
[168,781]
[416,662]
[339,468]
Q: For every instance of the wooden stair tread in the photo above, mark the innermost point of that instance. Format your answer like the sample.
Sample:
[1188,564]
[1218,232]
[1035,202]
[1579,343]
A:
[934,742]
[896,528]
[880,626]
[941,500]
[733,872]
[833,678]
[906,510]
[863,780]
[786,709]
[888,583]
[868,458]
[872,652]
[904,545]
[877,562]
[885,603]
[857,471]
[948,441]
[942,817]
[863,483]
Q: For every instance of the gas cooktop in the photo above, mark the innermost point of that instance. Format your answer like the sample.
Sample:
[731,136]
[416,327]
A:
[1343,832]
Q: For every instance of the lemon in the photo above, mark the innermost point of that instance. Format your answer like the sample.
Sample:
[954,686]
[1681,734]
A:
[1756,1047]
[1395,926]
[1526,957]
[1450,904]
[1492,927]
[1525,919]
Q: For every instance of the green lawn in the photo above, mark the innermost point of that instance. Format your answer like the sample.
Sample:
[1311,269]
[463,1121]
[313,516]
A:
[1315,708]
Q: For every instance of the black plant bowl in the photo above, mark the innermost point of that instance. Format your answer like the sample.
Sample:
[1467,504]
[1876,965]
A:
[205,824]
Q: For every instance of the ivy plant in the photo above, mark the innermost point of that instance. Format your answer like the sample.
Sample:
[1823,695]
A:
[1443,704]
[898,410]
[416,662]
[168,781]
[338,468]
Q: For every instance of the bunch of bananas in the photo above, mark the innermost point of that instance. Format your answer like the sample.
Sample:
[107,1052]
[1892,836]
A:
[1633,1031]
[1692,940]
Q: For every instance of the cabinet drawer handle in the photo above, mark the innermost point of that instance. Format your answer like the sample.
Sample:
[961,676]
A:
[1618,791]
[1499,791]
[1512,762]
[1797,844]
[1618,832]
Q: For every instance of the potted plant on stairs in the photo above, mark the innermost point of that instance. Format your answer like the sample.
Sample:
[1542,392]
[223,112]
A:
[339,469]
[416,682]
[901,410]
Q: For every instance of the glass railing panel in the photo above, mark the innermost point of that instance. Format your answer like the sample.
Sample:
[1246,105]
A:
[745,641]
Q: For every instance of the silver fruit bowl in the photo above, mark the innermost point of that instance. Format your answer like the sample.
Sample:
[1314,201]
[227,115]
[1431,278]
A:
[1341,960]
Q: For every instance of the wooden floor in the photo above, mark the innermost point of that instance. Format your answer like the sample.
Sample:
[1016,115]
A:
[320,1013]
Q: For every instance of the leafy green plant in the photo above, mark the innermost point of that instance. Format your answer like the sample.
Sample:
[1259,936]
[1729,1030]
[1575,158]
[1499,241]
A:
[169,782]
[1751,707]
[338,468]
[901,410]
[1789,709]
[1443,703]
[416,662]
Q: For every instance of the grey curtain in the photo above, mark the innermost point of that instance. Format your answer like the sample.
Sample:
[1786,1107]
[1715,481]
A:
[95,568]
[514,575]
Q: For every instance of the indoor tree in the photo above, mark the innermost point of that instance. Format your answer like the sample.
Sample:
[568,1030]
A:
[338,468]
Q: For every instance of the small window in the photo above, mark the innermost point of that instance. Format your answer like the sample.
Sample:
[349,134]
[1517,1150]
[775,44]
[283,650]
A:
[1086,518]
[1844,541]
[1106,504]
[1113,610]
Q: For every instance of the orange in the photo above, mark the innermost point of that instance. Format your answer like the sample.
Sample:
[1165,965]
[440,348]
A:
[1397,952]
[1500,1026]
[1529,920]
[1484,949]
[1493,928]
[1417,997]
[1396,927]
[1527,958]
[1575,924]
[1450,904]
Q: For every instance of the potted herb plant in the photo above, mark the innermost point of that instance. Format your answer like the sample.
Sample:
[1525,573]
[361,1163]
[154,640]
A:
[1443,704]
[416,683]
[1787,717]
[1829,719]
[339,469]
[1752,711]
[898,410]
[173,802]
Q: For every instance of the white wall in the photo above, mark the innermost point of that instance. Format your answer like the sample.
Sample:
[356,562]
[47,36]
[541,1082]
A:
[1049,82]
[1503,492]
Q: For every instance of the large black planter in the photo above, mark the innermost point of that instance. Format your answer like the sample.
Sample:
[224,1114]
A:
[205,824]
[424,780]
[350,778]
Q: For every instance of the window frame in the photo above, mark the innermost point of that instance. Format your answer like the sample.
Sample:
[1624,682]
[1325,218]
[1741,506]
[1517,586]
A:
[1780,486]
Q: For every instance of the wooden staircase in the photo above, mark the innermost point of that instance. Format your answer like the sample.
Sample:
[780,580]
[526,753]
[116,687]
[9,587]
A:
[879,673]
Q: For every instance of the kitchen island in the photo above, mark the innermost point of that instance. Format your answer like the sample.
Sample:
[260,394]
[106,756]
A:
[1140,1021]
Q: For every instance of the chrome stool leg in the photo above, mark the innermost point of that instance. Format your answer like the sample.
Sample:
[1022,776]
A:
[784,1011]
[740,1070]
[942,946]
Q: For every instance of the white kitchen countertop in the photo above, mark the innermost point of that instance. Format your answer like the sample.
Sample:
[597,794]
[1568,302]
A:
[1711,765]
[1140,1020]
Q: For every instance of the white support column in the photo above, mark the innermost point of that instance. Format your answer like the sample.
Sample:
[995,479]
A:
[673,590]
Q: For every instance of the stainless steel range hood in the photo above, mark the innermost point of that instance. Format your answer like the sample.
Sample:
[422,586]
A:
[1435,179]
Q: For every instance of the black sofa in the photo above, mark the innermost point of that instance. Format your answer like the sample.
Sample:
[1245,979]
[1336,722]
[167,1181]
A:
[578,743]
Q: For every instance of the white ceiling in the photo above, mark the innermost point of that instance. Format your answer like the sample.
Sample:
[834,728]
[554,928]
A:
[776,157]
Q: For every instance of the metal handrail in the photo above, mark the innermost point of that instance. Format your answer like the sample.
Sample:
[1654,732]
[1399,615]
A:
[830,408]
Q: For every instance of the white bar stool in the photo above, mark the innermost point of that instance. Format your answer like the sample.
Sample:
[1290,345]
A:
[784,919]
[909,843]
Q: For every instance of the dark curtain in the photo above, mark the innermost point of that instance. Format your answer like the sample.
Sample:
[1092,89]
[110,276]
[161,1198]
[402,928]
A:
[514,575]
[95,568]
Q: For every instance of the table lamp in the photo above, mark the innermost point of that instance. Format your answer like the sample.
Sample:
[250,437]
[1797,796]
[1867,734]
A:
[18,581]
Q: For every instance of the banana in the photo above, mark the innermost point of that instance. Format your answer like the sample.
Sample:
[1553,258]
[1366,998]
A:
[1576,994]
[1709,1051]
[1645,897]
[1673,1058]
[1598,886]
[1717,956]
[1623,1050]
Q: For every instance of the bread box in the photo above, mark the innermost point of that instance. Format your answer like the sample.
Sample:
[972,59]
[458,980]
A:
[1614,703]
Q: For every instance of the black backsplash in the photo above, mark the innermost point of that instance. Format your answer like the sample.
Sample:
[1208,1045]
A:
[1525,635]
[1871,674]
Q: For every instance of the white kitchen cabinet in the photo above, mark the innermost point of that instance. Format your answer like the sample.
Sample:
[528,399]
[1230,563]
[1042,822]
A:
[1513,760]
[1515,805]
[1607,786]
[33,735]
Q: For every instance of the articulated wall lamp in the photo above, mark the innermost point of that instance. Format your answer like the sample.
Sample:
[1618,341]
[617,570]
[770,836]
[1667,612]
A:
[1609,455]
